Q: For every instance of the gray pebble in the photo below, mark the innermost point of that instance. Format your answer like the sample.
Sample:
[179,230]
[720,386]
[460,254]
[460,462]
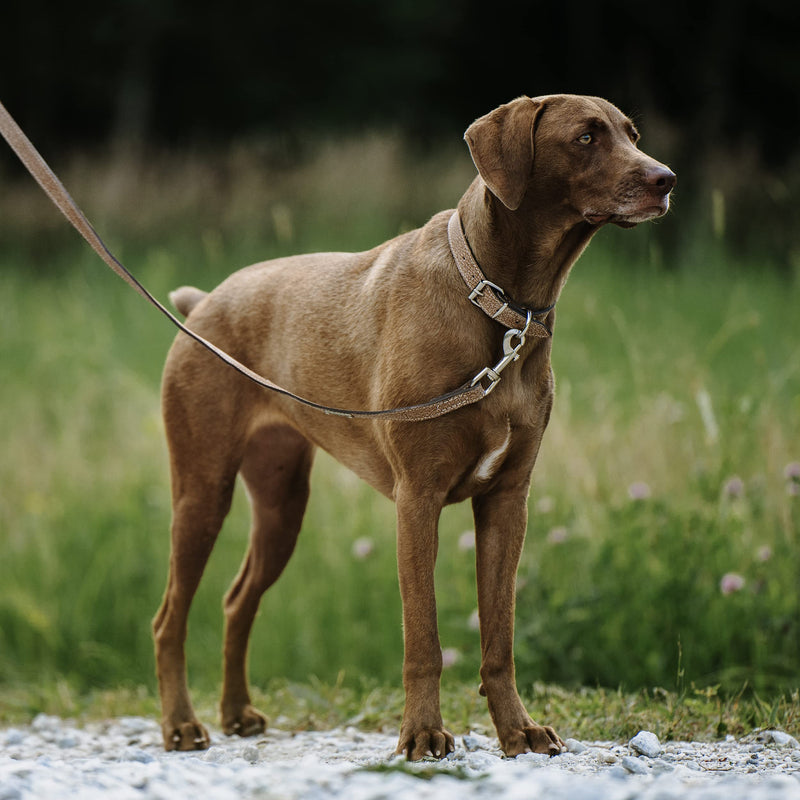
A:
[217,755]
[139,756]
[574,746]
[482,760]
[779,738]
[536,759]
[635,766]
[646,743]
[43,722]
[618,771]
[476,741]
[68,741]
[134,726]
[346,764]
[661,765]
[13,736]
[603,756]
[251,753]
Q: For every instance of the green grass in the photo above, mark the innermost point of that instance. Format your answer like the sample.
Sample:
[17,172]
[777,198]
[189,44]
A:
[679,372]
[587,713]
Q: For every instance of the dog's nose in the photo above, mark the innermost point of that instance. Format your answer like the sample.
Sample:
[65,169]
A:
[661,178]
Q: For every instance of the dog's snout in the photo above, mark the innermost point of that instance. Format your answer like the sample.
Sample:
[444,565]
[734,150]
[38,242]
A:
[661,179]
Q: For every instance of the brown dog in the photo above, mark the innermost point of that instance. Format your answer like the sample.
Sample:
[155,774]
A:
[386,328]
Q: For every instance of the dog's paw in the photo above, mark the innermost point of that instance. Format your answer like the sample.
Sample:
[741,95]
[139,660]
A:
[435,742]
[186,736]
[532,739]
[247,722]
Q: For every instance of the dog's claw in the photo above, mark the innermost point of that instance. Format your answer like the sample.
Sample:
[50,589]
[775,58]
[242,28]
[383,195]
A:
[186,736]
[246,721]
[427,743]
[533,739]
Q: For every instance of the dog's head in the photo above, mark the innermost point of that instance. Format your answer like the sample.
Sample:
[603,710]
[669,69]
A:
[570,152]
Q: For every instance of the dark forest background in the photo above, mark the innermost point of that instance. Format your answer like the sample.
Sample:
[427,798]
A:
[713,83]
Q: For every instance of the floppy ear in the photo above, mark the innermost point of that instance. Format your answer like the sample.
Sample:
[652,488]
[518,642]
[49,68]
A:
[501,145]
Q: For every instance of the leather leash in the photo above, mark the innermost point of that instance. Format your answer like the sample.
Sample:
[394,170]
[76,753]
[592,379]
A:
[466,394]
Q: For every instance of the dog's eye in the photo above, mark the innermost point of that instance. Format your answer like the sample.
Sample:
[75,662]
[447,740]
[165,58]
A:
[587,138]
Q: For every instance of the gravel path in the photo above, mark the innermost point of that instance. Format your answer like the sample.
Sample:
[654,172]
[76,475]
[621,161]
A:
[122,758]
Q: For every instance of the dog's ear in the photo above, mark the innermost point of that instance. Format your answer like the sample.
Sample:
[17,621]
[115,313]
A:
[501,145]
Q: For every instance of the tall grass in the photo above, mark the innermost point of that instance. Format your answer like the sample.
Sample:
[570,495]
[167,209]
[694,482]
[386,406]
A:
[662,472]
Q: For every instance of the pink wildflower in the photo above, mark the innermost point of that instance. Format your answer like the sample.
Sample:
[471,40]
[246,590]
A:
[734,487]
[764,553]
[558,535]
[450,656]
[792,471]
[731,582]
[639,490]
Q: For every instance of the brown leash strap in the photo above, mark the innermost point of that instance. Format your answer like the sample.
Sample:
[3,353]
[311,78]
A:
[465,395]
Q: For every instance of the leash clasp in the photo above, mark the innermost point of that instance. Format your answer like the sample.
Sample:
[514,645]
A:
[510,354]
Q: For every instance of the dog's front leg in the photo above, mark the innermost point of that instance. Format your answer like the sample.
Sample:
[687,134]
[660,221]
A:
[500,522]
[422,732]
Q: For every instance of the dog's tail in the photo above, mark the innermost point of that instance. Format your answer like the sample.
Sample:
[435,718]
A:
[186,298]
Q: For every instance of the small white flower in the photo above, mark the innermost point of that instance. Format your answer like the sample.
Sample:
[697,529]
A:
[544,505]
[450,656]
[466,541]
[558,535]
[362,548]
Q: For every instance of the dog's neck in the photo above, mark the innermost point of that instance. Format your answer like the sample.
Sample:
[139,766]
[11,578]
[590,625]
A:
[528,252]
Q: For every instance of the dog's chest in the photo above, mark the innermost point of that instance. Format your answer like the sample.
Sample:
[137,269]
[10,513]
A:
[495,448]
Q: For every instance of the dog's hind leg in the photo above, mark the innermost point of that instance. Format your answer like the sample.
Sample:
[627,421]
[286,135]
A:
[199,508]
[206,447]
[276,468]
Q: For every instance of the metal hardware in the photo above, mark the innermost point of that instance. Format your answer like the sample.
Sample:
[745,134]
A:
[510,354]
[524,332]
[478,291]
[500,310]
[486,372]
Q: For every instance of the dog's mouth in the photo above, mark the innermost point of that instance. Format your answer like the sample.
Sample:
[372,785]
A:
[597,219]
[628,219]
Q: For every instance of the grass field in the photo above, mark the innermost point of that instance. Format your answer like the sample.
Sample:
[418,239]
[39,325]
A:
[665,515]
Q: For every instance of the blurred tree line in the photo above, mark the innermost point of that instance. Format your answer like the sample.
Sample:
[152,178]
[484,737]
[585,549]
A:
[715,81]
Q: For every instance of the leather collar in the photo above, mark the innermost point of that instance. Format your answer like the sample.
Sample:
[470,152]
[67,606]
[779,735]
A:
[488,296]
